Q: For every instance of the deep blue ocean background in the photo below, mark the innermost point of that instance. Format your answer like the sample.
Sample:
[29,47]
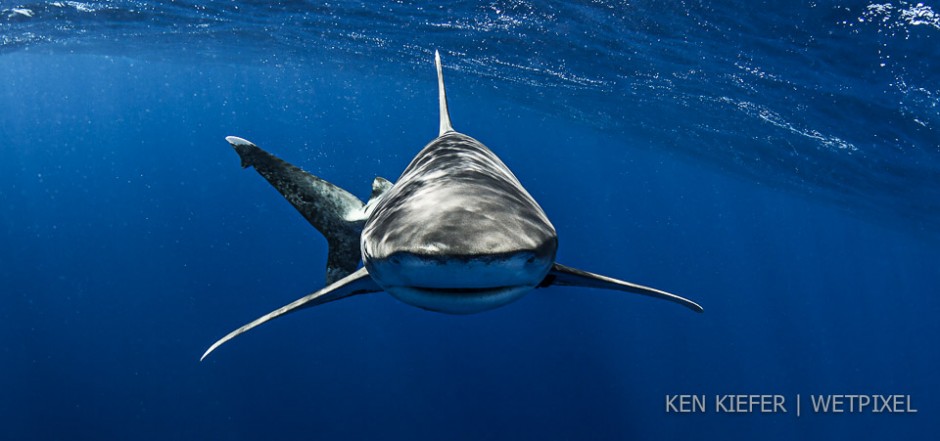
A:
[778,162]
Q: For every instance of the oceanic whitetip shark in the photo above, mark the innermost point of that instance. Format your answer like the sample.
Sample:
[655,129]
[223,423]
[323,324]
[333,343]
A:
[457,233]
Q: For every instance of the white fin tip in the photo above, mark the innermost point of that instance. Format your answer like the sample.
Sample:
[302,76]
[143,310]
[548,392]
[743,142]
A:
[234,140]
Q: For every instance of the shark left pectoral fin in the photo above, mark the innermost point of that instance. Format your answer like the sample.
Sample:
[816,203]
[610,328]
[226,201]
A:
[359,282]
[566,276]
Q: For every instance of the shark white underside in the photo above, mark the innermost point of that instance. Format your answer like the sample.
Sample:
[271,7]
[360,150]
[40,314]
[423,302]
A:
[457,233]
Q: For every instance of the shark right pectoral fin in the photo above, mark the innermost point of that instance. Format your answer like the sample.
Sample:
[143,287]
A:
[566,276]
[359,282]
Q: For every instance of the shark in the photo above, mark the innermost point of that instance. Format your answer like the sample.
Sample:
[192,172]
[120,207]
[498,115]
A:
[456,233]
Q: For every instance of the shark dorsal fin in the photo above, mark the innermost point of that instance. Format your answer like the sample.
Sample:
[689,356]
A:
[445,115]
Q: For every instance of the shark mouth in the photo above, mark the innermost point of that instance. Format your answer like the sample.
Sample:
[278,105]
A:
[458,300]
[459,291]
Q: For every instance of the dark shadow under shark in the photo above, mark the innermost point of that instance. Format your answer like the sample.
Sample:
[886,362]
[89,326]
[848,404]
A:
[457,233]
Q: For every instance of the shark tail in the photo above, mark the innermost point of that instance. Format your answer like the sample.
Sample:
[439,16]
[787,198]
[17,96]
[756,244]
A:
[334,212]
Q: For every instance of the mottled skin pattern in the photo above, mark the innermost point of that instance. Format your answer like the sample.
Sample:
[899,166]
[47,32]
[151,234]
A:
[457,200]
[330,209]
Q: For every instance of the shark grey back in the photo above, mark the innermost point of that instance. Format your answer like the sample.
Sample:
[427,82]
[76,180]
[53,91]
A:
[457,233]
[456,183]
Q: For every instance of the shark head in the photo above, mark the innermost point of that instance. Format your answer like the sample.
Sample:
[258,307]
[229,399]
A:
[458,233]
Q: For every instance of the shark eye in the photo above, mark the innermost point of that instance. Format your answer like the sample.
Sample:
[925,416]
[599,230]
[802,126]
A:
[530,260]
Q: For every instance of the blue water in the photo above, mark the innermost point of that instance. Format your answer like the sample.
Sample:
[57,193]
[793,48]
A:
[777,162]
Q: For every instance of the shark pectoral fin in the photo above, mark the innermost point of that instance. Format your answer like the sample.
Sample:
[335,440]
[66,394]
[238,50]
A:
[567,276]
[334,212]
[359,282]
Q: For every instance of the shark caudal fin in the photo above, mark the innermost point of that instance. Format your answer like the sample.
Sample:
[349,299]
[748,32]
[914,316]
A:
[442,96]
[359,282]
[566,276]
[336,213]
